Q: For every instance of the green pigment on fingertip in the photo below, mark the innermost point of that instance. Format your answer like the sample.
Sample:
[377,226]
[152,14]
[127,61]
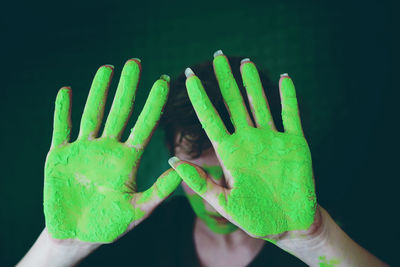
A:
[150,114]
[255,92]
[273,189]
[94,107]
[62,122]
[90,183]
[124,97]
[230,92]
[205,110]
[290,114]
[195,181]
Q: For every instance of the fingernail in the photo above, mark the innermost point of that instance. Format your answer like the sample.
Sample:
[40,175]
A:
[108,66]
[189,72]
[218,53]
[165,77]
[245,60]
[172,161]
[284,74]
[138,59]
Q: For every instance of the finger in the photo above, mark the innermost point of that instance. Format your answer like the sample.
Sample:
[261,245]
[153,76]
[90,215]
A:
[94,108]
[290,111]
[122,106]
[255,93]
[150,115]
[198,180]
[62,117]
[145,202]
[230,91]
[208,116]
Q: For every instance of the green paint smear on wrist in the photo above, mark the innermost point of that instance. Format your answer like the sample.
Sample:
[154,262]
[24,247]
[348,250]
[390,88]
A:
[85,191]
[273,189]
[199,208]
[323,262]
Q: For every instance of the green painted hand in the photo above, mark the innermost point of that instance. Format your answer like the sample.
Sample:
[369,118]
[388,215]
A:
[268,173]
[90,184]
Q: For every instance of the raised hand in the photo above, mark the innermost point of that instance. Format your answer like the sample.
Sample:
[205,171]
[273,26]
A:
[90,184]
[269,173]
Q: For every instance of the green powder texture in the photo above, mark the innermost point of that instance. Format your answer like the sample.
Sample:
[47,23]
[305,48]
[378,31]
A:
[230,92]
[215,171]
[273,189]
[62,117]
[123,99]
[94,107]
[290,111]
[164,186]
[197,183]
[85,191]
[150,114]
[324,262]
[198,205]
[256,95]
[89,184]
[199,208]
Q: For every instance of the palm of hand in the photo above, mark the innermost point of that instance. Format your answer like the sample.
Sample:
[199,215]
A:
[86,189]
[89,190]
[269,172]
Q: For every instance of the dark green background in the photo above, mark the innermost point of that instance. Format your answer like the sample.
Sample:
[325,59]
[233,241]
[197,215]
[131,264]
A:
[339,55]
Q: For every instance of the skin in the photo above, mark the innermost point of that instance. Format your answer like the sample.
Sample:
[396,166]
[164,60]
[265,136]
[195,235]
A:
[214,221]
[218,242]
[328,263]
[90,184]
[273,168]
[71,187]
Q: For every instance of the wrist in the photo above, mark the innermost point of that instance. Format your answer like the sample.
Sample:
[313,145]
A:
[48,251]
[316,235]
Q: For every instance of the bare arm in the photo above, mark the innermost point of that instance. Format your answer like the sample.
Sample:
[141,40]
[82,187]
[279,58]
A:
[328,245]
[47,251]
[90,196]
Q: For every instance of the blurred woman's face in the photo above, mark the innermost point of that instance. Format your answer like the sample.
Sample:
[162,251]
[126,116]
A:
[209,162]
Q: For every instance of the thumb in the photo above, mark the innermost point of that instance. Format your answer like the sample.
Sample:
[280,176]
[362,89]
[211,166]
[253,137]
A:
[198,180]
[148,200]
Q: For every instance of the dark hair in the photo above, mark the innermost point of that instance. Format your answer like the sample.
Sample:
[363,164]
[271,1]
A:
[179,115]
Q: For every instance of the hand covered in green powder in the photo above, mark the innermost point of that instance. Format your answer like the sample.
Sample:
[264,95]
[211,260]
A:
[269,173]
[90,184]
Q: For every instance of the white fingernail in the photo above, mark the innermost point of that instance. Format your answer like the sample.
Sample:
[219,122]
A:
[284,74]
[218,53]
[189,72]
[172,161]
[245,60]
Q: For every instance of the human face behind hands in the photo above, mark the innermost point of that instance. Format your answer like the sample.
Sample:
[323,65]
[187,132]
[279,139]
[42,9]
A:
[209,162]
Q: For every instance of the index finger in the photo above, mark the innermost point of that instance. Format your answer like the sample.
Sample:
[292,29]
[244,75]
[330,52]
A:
[208,116]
